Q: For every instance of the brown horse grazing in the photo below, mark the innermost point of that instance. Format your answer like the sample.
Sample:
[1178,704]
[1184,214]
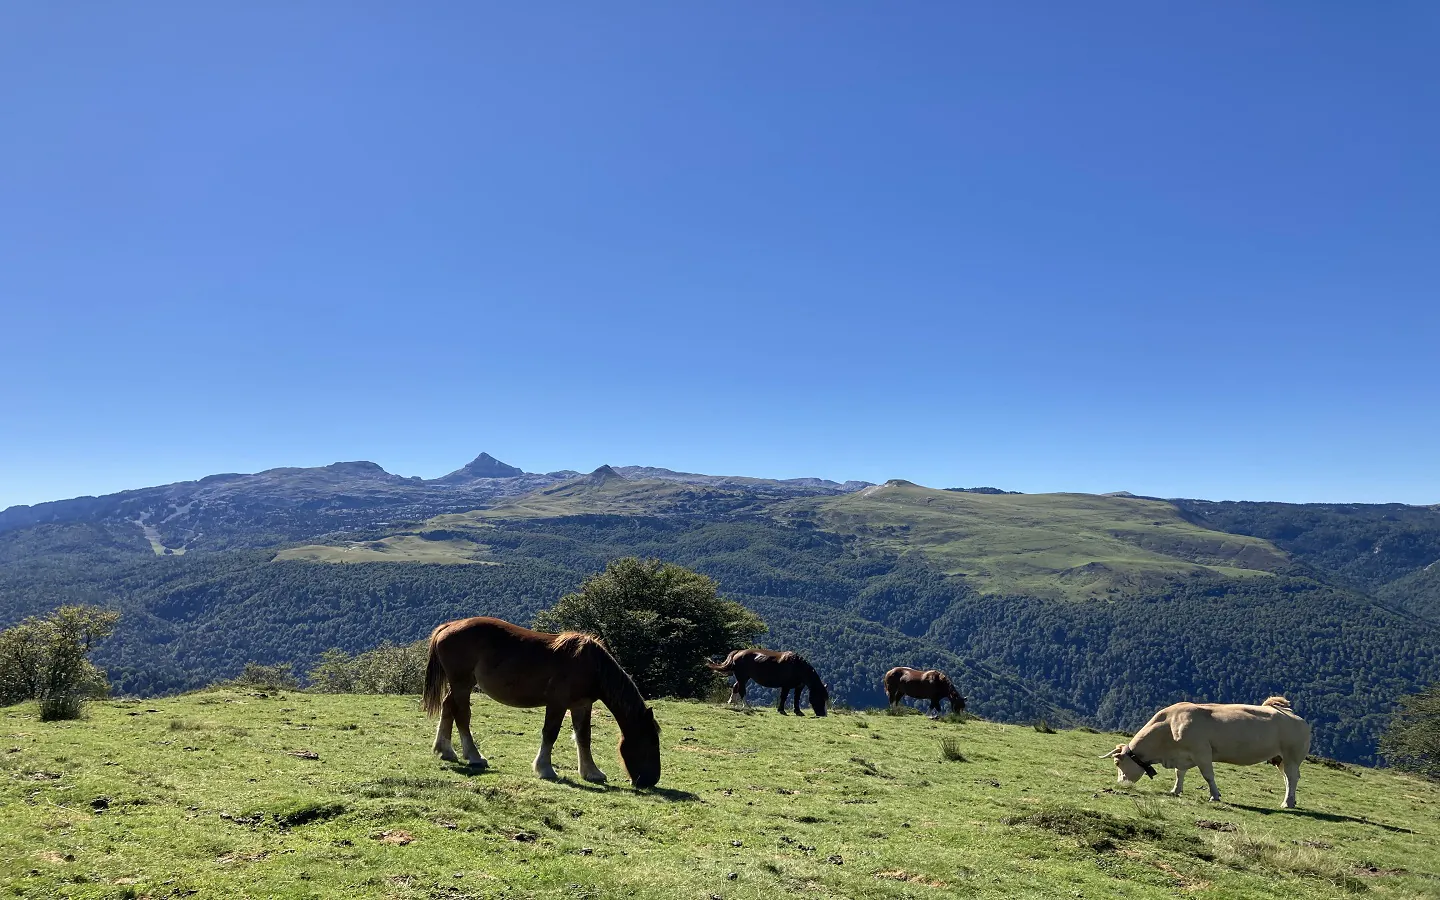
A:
[770,668]
[520,667]
[931,684]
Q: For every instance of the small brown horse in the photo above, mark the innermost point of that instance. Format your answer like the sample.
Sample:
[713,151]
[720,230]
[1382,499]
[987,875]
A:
[769,668]
[931,684]
[520,667]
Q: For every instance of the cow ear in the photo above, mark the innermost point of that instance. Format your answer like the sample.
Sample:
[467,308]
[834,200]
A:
[1113,753]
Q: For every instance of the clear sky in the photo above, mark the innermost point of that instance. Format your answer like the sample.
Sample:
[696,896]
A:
[1176,249]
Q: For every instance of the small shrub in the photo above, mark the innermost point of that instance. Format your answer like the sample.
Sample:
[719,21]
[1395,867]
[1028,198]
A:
[1043,727]
[950,750]
[279,677]
[387,669]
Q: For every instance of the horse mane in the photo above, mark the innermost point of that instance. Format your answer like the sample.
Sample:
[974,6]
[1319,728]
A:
[616,688]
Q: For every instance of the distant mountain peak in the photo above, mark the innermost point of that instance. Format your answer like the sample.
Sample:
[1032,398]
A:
[482,466]
[602,475]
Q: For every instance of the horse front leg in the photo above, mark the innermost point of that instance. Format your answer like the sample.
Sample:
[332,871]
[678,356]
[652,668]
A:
[780,707]
[554,718]
[580,724]
[798,692]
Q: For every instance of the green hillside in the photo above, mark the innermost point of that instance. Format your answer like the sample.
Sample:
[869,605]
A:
[241,794]
[1042,545]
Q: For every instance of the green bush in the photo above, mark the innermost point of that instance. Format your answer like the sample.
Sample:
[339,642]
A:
[279,677]
[387,669]
[660,621]
[46,658]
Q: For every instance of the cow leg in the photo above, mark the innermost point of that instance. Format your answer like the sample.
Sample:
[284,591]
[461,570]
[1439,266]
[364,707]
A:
[798,692]
[1207,769]
[554,718]
[780,708]
[580,724]
[1292,781]
[459,700]
[1179,781]
[442,744]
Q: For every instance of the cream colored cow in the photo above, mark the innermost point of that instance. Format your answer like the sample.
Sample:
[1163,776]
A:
[1201,734]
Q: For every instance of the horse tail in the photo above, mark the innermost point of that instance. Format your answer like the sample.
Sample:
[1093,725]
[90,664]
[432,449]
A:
[728,666]
[434,679]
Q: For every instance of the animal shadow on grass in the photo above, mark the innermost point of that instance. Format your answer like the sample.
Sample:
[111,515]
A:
[1322,816]
[469,771]
[671,795]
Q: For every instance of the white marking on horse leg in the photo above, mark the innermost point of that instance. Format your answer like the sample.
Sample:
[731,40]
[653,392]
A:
[443,746]
[580,726]
[461,696]
[554,716]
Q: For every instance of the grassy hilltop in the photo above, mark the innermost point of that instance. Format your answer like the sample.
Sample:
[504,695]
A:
[228,793]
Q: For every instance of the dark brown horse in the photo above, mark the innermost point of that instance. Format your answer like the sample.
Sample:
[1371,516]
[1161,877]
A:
[769,668]
[520,667]
[930,684]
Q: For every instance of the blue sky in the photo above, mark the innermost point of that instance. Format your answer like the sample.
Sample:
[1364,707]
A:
[1176,249]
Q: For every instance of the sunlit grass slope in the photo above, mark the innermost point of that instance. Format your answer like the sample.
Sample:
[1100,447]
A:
[1058,545]
[396,548]
[231,794]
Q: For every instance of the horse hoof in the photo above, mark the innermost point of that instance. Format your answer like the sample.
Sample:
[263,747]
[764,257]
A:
[597,776]
[547,774]
[477,764]
[449,756]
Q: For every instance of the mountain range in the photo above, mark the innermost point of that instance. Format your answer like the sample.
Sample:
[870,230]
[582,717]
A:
[1068,607]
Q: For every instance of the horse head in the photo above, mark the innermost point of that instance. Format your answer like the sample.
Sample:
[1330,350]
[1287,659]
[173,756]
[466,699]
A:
[819,697]
[640,750]
[957,702]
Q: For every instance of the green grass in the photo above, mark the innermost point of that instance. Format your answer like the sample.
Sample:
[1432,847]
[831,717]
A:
[614,496]
[234,794]
[397,548]
[1044,545]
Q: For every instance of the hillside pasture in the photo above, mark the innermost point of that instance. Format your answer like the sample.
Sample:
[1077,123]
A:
[244,794]
[1041,545]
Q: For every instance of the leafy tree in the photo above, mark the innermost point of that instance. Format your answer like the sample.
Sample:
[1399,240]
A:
[46,658]
[660,621]
[1413,740]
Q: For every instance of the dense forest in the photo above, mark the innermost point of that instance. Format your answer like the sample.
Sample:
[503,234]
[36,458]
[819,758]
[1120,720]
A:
[853,608]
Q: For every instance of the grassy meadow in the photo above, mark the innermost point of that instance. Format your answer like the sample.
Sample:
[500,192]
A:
[1043,545]
[230,793]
